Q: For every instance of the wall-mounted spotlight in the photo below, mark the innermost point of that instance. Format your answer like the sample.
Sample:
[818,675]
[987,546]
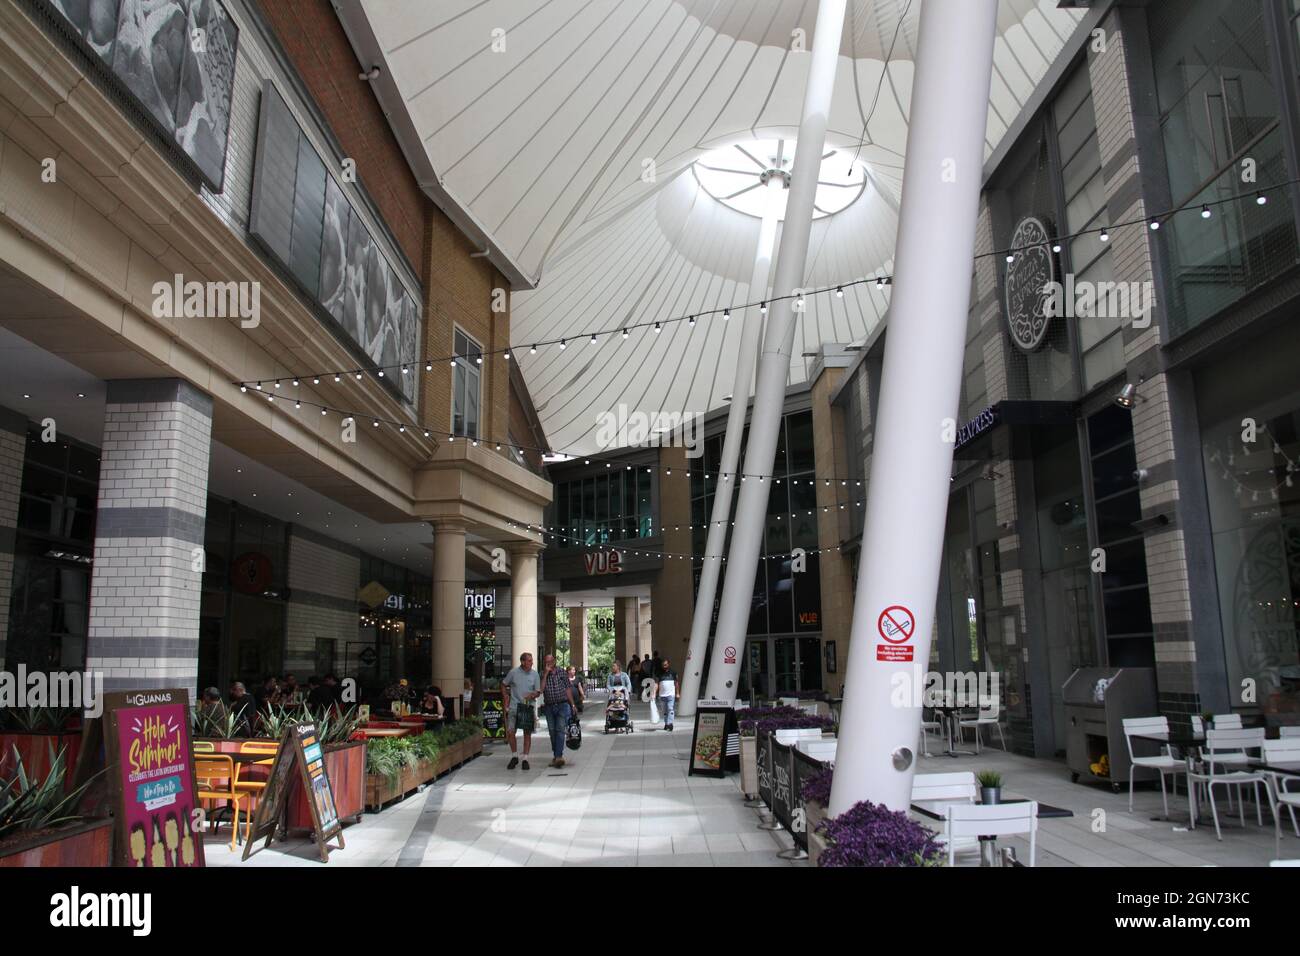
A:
[369,75]
[1128,395]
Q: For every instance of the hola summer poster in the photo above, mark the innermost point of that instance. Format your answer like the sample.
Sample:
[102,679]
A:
[158,826]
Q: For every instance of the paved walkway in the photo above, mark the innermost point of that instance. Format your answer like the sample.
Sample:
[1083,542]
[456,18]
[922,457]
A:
[621,800]
[625,800]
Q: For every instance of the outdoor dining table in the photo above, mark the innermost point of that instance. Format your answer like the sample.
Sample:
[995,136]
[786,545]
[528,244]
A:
[937,810]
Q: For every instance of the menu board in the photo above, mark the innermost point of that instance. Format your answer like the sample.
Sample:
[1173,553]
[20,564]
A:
[782,784]
[299,746]
[151,768]
[318,781]
[764,754]
[494,718]
[708,743]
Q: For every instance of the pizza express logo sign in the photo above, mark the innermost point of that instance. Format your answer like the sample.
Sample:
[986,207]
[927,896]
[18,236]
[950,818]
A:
[1029,276]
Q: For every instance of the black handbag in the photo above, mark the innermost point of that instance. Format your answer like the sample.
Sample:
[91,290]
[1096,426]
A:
[573,734]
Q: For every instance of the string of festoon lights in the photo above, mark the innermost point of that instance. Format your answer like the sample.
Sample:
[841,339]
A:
[611,522]
[606,547]
[272,387]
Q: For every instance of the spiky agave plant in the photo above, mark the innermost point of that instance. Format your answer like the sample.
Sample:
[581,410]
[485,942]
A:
[28,804]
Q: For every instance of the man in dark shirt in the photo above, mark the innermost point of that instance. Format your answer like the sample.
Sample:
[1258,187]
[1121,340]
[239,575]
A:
[321,696]
[244,706]
[557,698]
[666,691]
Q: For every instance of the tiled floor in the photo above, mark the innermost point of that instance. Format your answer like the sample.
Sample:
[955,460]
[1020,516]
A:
[625,800]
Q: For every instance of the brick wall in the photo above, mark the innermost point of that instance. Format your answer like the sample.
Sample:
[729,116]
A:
[671,596]
[323,580]
[459,292]
[832,526]
[315,43]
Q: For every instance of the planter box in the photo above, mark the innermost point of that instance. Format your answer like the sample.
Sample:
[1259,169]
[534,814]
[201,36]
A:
[444,762]
[749,766]
[83,844]
[814,814]
[816,846]
[346,766]
[34,749]
[380,789]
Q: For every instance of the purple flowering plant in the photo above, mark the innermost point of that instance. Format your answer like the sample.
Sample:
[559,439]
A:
[754,720]
[869,834]
[817,788]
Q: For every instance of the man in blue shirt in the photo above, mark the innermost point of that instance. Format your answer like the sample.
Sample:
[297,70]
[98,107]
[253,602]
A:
[519,689]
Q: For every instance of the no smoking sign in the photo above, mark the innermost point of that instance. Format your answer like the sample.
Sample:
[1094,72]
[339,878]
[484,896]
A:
[896,625]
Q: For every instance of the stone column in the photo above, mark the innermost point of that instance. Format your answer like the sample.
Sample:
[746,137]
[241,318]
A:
[578,637]
[625,629]
[13,445]
[645,639]
[523,599]
[448,631]
[153,498]
[549,614]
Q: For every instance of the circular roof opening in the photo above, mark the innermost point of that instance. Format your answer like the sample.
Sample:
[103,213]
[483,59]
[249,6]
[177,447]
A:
[737,175]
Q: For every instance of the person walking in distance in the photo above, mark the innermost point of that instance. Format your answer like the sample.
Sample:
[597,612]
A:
[519,689]
[557,699]
[666,691]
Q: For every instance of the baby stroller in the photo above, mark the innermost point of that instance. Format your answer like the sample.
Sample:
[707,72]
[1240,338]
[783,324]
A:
[617,718]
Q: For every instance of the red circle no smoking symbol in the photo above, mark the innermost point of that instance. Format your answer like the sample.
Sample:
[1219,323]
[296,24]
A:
[729,655]
[896,624]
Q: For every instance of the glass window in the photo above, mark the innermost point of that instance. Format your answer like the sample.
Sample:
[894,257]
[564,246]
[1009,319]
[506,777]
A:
[1218,105]
[466,395]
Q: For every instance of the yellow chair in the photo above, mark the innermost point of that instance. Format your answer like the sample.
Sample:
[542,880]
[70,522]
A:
[254,788]
[211,772]
[204,747]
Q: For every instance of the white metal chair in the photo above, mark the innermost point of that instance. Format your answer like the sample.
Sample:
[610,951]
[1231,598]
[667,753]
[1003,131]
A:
[1283,751]
[930,727]
[998,819]
[983,718]
[1227,721]
[1163,763]
[1285,732]
[937,791]
[1233,742]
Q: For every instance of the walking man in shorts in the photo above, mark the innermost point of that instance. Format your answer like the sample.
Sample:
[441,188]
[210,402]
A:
[519,689]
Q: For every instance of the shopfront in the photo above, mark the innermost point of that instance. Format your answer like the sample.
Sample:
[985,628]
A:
[1249,407]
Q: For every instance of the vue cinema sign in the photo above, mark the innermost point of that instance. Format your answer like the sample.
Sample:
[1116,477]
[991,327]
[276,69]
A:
[603,562]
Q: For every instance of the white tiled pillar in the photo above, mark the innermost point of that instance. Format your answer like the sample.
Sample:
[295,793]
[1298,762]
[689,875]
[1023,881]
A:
[153,487]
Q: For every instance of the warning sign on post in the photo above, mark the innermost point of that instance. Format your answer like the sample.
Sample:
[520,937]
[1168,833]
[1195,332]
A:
[896,625]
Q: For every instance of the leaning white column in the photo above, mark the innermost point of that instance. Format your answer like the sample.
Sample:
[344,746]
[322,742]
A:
[911,463]
[751,335]
[774,363]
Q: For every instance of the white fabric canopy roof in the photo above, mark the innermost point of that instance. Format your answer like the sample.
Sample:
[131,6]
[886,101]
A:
[544,145]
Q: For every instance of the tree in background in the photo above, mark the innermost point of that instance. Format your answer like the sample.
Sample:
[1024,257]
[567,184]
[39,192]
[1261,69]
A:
[600,639]
[562,638]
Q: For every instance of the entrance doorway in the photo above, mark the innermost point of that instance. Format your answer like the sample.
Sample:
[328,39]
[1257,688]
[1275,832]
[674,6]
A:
[782,666]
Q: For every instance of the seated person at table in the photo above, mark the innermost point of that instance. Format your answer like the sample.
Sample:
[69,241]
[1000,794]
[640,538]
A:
[244,706]
[211,705]
[321,696]
[431,703]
